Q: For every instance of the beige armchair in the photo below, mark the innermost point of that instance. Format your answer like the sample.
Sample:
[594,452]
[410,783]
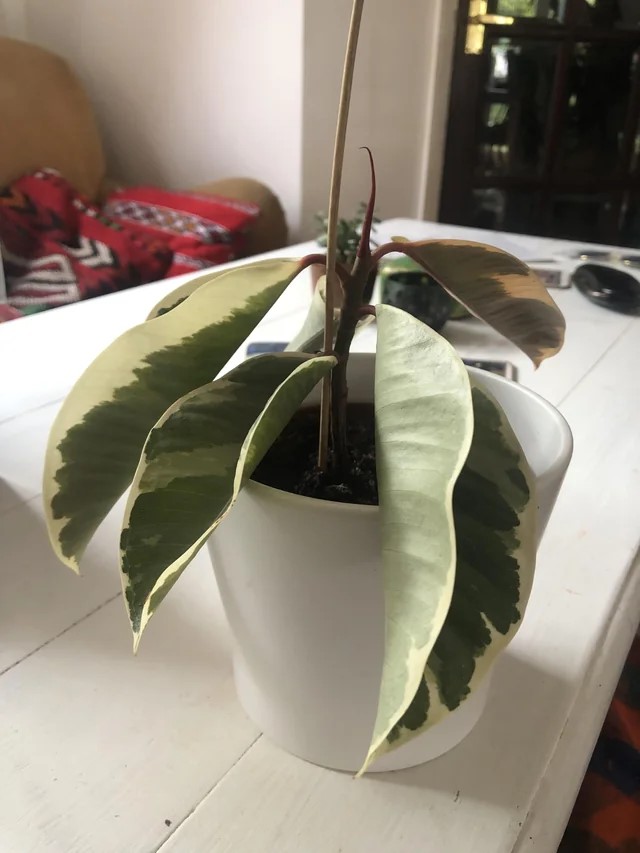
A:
[47,120]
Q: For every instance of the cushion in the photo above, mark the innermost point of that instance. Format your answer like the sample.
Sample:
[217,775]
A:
[200,230]
[58,248]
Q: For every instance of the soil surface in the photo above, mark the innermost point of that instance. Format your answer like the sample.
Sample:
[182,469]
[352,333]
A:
[291,463]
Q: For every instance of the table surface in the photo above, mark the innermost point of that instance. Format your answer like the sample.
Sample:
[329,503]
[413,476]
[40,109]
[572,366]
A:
[102,751]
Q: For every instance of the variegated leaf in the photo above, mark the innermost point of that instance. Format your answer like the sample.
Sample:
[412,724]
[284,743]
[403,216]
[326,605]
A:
[497,288]
[194,463]
[95,442]
[175,297]
[424,425]
[495,519]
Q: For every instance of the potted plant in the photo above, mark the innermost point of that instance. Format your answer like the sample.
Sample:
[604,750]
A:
[374,590]
[348,236]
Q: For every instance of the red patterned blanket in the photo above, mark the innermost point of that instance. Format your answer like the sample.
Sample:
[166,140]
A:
[58,248]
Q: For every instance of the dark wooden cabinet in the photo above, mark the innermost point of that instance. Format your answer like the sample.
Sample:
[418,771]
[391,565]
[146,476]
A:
[543,133]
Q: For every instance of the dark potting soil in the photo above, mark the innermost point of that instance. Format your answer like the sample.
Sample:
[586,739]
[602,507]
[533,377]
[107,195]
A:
[291,463]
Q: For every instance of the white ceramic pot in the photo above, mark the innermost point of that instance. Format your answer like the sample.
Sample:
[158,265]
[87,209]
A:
[301,583]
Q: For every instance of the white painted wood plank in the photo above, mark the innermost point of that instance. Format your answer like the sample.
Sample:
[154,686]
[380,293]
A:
[39,597]
[590,333]
[481,796]
[274,802]
[23,442]
[561,780]
[48,351]
[99,748]
[591,330]
[42,355]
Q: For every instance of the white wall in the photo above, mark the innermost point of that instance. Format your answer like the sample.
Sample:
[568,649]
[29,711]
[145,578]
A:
[188,92]
[13,19]
[388,103]
[193,91]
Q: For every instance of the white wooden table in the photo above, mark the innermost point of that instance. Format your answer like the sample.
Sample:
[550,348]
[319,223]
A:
[102,752]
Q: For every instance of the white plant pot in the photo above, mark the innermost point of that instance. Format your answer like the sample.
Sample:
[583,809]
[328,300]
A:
[301,583]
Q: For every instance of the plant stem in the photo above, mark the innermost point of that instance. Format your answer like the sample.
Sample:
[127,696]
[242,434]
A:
[354,290]
[332,225]
[350,315]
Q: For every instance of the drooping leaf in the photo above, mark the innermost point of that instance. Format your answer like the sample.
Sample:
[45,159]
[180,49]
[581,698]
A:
[177,296]
[173,299]
[424,425]
[497,288]
[495,517]
[95,442]
[194,463]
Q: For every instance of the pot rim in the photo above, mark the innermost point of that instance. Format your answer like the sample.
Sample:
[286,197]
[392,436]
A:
[303,500]
[555,467]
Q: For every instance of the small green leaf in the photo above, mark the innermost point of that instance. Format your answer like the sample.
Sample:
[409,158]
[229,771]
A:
[194,463]
[495,518]
[95,442]
[424,425]
[497,288]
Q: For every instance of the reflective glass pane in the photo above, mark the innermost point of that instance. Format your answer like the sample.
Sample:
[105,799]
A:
[579,217]
[505,210]
[635,151]
[570,216]
[630,231]
[629,14]
[552,10]
[608,14]
[516,108]
[597,101]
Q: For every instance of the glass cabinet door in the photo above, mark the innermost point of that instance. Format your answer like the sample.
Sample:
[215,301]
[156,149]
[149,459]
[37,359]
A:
[544,119]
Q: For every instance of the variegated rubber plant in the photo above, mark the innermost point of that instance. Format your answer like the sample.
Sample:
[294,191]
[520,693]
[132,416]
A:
[156,412]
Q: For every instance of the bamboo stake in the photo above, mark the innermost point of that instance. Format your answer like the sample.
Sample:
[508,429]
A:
[332,225]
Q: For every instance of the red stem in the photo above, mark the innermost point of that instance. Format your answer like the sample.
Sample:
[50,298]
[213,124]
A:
[365,235]
[386,249]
